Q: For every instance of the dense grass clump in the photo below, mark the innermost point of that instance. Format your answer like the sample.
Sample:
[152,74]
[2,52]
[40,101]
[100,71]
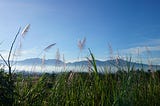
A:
[126,87]
[131,87]
[80,88]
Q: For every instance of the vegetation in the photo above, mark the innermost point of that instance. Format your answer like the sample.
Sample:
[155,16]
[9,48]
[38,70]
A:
[125,87]
[70,88]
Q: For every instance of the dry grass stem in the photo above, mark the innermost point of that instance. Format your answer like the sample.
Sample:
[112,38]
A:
[117,60]
[81,44]
[43,59]
[64,62]
[57,56]
[110,51]
[49,47]
[70,78]
[25,30]
[149,58]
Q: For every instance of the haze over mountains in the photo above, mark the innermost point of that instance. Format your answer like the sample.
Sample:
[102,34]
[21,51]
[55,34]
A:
[119,62]
[35,65]
[38,61]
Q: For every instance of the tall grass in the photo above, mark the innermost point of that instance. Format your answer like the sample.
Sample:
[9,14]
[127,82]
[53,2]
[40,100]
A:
[126,87]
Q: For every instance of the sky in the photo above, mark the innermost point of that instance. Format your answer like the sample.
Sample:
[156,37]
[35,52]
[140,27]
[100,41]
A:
[128,28]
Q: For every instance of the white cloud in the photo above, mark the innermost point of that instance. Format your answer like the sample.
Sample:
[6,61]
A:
[155,41]
[149,42]
[155,61]
[143,53]
[21,54]
[141,49]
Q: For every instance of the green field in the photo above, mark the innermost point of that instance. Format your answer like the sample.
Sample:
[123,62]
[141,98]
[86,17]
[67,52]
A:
[126,87]
[123,88]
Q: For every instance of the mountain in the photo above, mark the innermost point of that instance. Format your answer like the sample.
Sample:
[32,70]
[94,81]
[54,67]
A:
[119,62]
[38,61]
[78,63]
[116,63]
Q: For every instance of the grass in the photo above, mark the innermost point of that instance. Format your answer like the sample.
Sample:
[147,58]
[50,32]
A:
[126,87]
[118,89]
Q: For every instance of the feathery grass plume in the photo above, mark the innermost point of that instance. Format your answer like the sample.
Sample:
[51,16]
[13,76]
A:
[57,56]
[149,58]
[71,76]
[49,47]
[43,59]
[150,62]
[17,51]
[117,60]
[25,30]
[110,51]
[89,66]
[64,62]
[81,44]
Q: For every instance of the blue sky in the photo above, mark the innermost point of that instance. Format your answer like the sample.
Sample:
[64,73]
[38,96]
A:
[127,25]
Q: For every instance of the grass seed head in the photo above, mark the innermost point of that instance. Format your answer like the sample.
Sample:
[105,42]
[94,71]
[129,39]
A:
[81,44]
[25,30]
[49,47]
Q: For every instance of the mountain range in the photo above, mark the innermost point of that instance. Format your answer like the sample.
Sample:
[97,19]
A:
[119,62]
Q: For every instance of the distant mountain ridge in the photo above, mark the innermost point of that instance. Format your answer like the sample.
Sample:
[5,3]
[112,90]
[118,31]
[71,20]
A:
[38,61]
[119,62]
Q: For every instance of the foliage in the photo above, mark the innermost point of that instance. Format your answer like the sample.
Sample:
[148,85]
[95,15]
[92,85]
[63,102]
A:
[126,87]
[6,89]
[133,87]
